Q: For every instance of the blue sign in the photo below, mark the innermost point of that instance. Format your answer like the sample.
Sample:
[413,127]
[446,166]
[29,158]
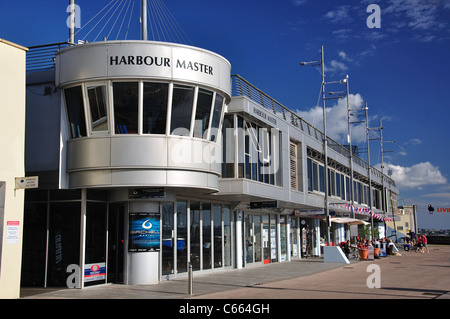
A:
[144,232]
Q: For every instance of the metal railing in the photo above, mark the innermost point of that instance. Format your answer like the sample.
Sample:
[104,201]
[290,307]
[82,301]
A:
[42,57]
[241,87]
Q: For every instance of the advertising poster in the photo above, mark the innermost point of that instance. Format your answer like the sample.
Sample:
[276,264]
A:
[144,232]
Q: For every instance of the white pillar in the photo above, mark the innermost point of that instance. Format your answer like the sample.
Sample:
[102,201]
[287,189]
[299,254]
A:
[239,243]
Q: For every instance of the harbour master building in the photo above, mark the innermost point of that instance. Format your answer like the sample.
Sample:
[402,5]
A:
[152,157]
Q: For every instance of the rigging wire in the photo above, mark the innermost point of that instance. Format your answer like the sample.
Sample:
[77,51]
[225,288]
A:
[111,20]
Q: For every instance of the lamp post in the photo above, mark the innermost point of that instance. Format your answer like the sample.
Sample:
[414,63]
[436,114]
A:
[325,140]
[321,62]
[369,169]
[384,203]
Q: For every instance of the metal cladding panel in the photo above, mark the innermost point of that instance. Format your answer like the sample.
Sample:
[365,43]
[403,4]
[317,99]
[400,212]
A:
[143,59]
[144,178]
[139,177]
[139,151]
[190,153]
[192,179]
[97,178]
[88,153]
[75,65]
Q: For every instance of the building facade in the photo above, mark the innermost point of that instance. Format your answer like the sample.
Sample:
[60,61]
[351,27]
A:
[152,157]
[12,166]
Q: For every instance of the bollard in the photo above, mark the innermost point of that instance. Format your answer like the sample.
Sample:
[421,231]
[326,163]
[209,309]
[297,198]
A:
[190,279]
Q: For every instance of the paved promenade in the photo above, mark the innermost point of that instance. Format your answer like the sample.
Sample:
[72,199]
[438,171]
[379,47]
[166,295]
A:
[409,276]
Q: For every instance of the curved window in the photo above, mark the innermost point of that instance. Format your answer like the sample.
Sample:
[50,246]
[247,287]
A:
[125,107]
[75,111]
[155,107]
[203,112]
[97,107]
[182,102]
[216,115]
[140,107]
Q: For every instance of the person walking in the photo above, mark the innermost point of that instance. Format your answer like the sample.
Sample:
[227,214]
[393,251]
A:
[419,243]
[425,244]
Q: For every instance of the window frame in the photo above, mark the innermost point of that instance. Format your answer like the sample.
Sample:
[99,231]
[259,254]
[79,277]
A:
[86,87]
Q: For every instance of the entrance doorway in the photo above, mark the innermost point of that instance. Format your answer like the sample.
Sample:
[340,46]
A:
[116,243]
[252,238]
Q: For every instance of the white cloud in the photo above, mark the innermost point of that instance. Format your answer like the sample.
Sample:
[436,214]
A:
[414,141]
[341,14]
[420,14]
[298,2]
[416,176]
[335,66]
[337,126]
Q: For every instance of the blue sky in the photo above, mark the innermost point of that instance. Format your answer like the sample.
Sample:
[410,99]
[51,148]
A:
[400,69]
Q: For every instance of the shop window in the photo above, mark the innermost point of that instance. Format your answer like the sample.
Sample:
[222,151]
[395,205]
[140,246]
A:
[98,108]
[182,102]
[155,107]
[34,245]
[202,113]
[273,238]
[206,235]
[125,107]
[216,115]
[217,235]
[75,111]
[194,230]
[63,241]
[266,238]
[227,236]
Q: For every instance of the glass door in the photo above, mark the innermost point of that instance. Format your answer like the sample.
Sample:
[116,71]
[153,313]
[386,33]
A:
[248,238]
[168,242]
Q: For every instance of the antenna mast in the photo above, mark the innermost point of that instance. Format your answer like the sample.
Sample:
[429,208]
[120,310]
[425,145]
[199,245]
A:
[71,21]
[144,19]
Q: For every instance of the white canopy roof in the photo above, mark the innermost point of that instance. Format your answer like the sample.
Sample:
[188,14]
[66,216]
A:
[348,220]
